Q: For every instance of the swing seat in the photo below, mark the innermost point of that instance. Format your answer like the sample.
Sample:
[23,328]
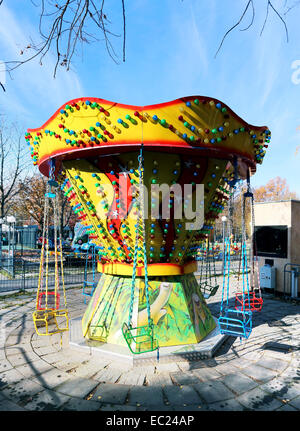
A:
[235,322]
[208,290]
[98,333]
[88,285]
[255,304]
[50,321]
[140,339]
[49,300]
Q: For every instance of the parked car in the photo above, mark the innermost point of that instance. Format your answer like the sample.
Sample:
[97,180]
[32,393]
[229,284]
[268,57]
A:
[76,248]
[88,246]
[66,246]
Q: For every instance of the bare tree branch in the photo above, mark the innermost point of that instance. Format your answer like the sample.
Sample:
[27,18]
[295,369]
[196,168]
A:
[291,7]
[269,5]
[252,19]
[234,26]
[12,164]
[266,18]
[62,26]
[280,17]
[124,28]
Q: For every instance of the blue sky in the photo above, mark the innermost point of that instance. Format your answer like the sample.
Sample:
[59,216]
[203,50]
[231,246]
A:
[170,53]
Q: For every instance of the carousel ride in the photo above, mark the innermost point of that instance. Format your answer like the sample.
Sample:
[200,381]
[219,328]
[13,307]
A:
[111,160]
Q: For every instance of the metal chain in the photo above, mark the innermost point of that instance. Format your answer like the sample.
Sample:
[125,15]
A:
[202,263]
[208,262]
[244,255]
[54,203]
[230,214]
[214,268]
[60,249]
[227,250]
[142,213]
[133,275]
[226,273]
[42,261]
[47,244]
[141,218]
[255,268]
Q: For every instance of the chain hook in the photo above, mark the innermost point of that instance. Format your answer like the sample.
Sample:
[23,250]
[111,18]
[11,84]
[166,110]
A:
[248,193]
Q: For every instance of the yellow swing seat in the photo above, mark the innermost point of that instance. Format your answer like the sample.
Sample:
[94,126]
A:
[57,320]
[98,333]
[51,315]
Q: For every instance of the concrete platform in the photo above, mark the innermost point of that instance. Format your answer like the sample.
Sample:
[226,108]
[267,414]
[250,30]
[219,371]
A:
[189,352]
[257,374]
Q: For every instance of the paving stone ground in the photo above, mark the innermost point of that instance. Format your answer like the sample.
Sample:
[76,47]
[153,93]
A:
[44,373]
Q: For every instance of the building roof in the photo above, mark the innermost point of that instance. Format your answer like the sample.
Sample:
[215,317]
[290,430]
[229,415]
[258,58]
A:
[276,202]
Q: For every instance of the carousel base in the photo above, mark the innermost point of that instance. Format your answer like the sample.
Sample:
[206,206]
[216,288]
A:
[183,353]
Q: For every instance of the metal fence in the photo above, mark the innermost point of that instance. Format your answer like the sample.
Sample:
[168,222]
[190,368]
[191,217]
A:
[217,264]
[22,272]
[291,274]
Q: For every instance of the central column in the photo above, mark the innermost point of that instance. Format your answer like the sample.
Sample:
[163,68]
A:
[178,309]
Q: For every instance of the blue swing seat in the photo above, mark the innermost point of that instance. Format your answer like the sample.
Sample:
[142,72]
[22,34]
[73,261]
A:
[88,285]
[234,322]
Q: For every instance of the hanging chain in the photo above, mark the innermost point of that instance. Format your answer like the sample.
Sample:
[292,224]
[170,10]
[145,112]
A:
[249,194]
[142,215]
[60,249]
[140,218]
[54,201]
[94,262]
[227,247]
[208,261]
[47,243]
[255,264]
[201,266]
[133,274]
[41,271]
[230,213]
[226,273]
[214,269]
[253,257]
[244,245]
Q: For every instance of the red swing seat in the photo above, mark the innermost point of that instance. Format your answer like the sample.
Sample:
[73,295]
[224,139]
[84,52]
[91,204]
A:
[53,299]
[242,302]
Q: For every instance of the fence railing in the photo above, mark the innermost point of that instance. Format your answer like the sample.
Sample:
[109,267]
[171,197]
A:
[291,274]
[216,263]
[20,273]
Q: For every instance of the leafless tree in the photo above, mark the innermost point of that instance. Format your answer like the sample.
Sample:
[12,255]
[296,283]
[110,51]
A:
[269,7]
[66,23]
[29,202]
[12,164]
